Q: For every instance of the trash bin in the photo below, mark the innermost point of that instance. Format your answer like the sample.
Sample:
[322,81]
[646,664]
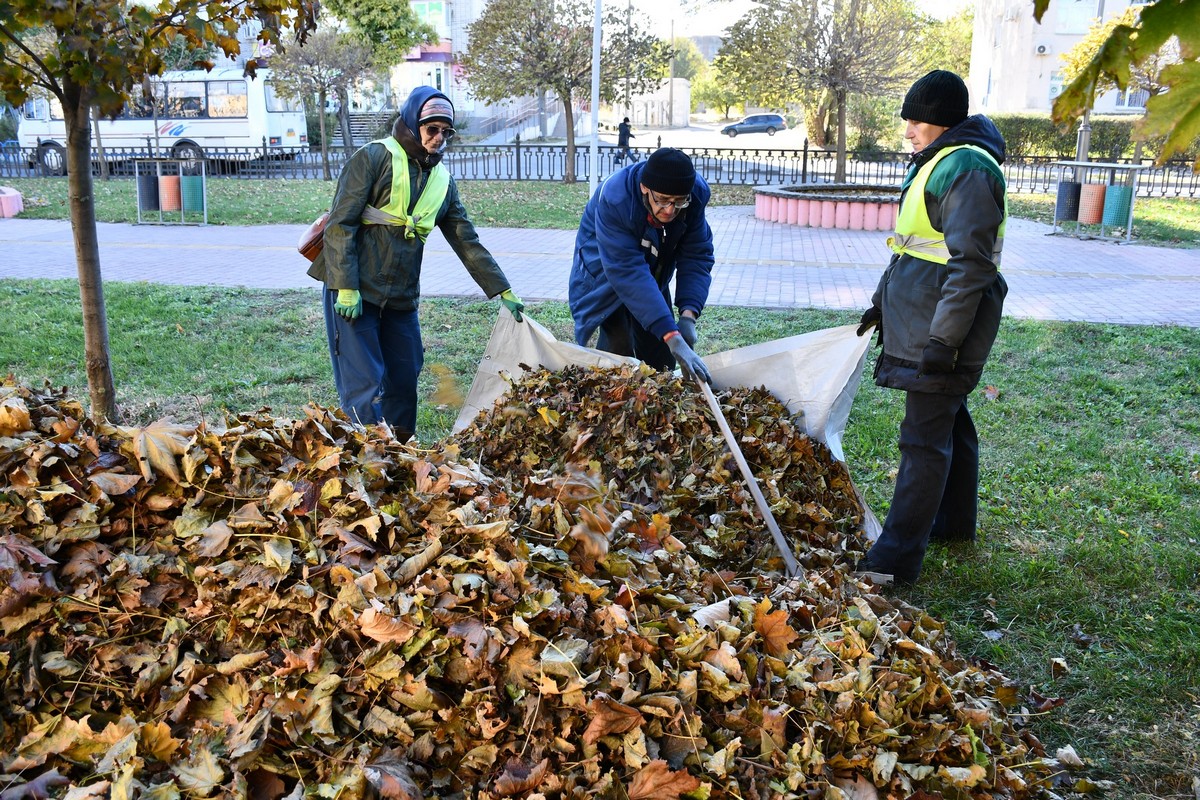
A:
[1116,205]
[1066,206]
[147,188]
[192,189]
[1091,203]
[168,193]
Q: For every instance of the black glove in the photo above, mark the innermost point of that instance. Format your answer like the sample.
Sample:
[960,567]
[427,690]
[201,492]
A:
[937,359]
[689,363]
[872,316]
[687,329]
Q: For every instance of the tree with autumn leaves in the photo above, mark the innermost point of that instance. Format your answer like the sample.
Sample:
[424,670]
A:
[520,47]
[94,55]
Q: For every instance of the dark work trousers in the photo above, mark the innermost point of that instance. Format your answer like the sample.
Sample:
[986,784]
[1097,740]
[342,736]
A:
[937,485]
[376,360]
[625,336]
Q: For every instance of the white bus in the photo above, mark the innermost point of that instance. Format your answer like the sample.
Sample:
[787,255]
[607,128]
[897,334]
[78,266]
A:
[192,111]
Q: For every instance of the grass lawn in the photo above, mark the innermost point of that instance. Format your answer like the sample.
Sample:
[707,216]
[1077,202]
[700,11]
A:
[508,204]
[1090,491]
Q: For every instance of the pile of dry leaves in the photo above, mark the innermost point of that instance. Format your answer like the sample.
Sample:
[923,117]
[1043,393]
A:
[572,599]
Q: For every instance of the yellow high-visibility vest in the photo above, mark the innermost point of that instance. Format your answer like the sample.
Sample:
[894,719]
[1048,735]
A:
[915,234]
[424,215]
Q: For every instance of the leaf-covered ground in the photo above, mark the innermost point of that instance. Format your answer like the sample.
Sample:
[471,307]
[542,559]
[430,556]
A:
[573,598]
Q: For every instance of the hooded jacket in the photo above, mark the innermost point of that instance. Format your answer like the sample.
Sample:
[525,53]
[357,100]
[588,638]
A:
[377,259]
[958,303]
[621,259]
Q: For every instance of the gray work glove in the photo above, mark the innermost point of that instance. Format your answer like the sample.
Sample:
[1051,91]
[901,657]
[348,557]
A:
[689,363]
[687,329]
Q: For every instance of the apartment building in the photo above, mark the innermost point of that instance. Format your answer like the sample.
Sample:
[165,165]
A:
[1016,62]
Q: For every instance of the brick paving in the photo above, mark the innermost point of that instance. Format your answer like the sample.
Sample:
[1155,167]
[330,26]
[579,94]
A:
[764,264]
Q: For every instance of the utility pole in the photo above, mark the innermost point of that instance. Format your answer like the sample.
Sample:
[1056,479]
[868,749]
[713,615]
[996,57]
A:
[628,34]
[671,81]
[1083,141]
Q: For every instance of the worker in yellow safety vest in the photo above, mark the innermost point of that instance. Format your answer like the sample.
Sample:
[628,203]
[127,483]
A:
[390,195]
[937,310]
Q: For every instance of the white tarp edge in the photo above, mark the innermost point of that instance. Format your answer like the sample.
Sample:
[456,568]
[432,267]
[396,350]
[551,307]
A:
[816,375]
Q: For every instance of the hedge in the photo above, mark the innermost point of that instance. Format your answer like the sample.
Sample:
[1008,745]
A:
[1112,137]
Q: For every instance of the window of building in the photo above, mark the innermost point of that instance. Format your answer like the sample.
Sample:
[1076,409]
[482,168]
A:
[1075,16]
[1132,97]
[432,12]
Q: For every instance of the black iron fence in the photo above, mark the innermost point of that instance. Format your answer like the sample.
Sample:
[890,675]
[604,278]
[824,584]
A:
[546,162]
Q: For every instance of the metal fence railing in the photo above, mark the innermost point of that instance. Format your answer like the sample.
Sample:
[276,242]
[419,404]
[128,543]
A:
[546,162]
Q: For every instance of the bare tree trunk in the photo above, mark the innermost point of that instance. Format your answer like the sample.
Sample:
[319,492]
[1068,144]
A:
[76,105]
[569,115]
[322,98]
[100,145]
[343,96]
[839,175]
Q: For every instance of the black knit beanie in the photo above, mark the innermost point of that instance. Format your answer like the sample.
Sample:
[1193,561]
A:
[669,171]
[939,98]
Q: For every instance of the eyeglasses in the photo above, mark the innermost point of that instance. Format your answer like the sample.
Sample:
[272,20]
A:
[433,131]
[669,203]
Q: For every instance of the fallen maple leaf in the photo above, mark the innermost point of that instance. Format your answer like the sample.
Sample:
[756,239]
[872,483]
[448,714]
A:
[384,628]
[519,777]
[157,445]
[14,416]
[389,775]
[774,628]
[609,716]
[657,781]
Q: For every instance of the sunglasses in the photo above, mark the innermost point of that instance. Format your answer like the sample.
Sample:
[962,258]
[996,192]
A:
[677,204]
[432,131]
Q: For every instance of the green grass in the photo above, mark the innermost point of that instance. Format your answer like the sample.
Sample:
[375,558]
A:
[507,204]
[1090,493]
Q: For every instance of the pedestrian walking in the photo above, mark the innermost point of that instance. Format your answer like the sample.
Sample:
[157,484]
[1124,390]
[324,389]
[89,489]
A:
[624,134]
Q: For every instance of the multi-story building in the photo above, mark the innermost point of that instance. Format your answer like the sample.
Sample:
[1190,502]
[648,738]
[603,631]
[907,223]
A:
[1016,63]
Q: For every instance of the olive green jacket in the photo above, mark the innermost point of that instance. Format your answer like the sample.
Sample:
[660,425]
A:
[379,260]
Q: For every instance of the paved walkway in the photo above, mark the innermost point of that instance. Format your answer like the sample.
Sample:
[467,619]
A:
[766,264]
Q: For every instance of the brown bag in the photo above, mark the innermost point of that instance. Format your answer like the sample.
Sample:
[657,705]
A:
[313,239]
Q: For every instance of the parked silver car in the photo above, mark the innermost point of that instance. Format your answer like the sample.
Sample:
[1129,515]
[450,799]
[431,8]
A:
[756,123]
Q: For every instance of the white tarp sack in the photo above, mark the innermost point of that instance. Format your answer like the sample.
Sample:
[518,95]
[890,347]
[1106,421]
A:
[815,375]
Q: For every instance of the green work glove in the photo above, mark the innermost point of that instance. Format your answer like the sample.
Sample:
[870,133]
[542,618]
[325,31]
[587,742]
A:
[348,303]
[512,303]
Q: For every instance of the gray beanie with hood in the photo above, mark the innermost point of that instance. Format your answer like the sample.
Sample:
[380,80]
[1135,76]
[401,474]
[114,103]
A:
[405,128]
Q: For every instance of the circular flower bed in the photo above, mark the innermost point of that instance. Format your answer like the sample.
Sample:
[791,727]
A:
[833,205]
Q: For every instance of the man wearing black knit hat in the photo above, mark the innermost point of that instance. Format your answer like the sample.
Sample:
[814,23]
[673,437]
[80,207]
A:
[645,225]
[937,309]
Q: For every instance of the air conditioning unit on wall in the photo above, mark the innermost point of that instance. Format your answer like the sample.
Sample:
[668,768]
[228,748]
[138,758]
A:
[1042,49]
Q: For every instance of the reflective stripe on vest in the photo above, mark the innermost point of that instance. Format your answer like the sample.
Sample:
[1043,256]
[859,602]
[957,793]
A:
[396,211]
[915,234]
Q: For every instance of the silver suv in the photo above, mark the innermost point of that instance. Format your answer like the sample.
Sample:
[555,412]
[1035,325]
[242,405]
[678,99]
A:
[756,123]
